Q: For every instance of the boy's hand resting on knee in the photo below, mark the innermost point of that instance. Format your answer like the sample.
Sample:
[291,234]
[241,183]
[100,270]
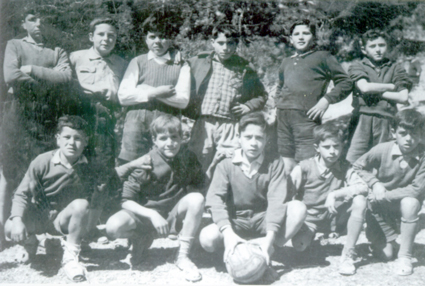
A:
[378,191]
[160,224]
[266,245]
[230,240]
[317,111]
[330,203]
[19,231]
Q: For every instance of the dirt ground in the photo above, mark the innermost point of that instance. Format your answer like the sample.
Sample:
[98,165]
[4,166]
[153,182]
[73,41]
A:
[316,266]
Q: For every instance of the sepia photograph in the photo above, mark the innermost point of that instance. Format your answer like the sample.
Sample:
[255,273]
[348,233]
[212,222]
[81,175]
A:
[212,142]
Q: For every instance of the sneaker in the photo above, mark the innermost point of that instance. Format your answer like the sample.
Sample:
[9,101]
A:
[140,246]
[30,246]
[346,267]
[74,270]
[191,272]
[403,266]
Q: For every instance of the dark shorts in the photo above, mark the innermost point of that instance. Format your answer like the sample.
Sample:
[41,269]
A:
[248,224]
[136,138]
[320,220]
[383,223]
[295,134]
[370,131]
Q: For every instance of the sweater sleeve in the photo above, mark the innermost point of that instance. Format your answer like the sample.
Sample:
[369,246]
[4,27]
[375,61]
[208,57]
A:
[401,79]
[132,188]
[277,195]
[343,84]
[61,73]
[416,189]
[12,65]
[255,89]
[357,72]
[365,164]
[217,195]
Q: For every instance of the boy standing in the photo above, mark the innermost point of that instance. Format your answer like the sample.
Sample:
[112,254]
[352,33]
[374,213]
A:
[99,73]
[53,195]
[224,87]
[328,189]
[155,83]
[303,100]
[36,75]
[395,171]
[248,196]
[167,197]
[379,85]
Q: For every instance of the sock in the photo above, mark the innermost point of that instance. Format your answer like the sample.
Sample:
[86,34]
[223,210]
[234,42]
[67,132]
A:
[354,227]
[185,245]
[407,237]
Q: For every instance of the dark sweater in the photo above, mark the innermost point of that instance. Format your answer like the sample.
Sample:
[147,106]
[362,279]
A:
[381,165]
[231,191]
[169,180]
[304,79]
[388,72]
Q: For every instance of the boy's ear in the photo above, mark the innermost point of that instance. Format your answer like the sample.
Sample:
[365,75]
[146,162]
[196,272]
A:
[393,131]
[362,48]
[316,147]
[91,37]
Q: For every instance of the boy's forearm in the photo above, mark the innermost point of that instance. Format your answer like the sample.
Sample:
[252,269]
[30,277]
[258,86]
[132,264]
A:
[137,209]
[374,87]
[399,97]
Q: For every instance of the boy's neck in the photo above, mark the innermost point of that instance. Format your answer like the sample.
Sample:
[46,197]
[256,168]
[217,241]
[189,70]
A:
[325,163]
[379,63]
[66,160]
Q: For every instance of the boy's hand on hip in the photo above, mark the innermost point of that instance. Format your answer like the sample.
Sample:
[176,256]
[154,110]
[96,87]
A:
[160,224]
[240,109]
[319,109]
[19,231]
[165,91]
[330,203]
[231,239]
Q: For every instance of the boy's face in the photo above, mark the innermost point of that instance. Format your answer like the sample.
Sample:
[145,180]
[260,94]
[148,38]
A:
[407,140]
[71,143]
[157,43]
[329,150]
[168,143]
[32,24]
[224,47]
[253,141]
[302,39]
[375,50]
[103,38]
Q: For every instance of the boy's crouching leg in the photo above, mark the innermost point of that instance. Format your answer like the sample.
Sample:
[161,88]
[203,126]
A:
[211,238]
[296,213]
[410,208]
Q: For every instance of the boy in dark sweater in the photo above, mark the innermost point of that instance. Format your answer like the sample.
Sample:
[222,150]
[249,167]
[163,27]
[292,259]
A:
[224,87]
[302,99]
[155,83]
[379,85]
[395,171]
[249,196]
[326,186]
[168,196]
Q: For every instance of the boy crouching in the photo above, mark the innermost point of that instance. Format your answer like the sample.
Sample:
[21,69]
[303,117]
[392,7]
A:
[165,197]
[53,195]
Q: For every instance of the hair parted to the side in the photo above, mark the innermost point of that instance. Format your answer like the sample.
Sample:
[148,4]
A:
[374,34]
[74,122]
[29,11]
[306,22]
[410,119]
[166,123]
[103,20]
[228,30]
[255,118]
[328,130]
[165,23]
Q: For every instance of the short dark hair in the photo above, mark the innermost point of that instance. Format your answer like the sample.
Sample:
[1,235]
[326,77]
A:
[104,20]
[228,30]
[373,35]
[410,119]
[74,122]
[164,123]
[326,131]
[166,24]
[28,11]
[305,22]
[255,118]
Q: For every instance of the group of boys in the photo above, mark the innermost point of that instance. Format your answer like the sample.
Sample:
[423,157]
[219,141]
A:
[252,195]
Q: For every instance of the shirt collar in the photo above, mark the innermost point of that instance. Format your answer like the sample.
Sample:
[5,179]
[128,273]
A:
[323,170]
[367,62]
[240,158]
[303,54]
[56,159]
[396,152]
[164,58]
[29,40]
[93,55]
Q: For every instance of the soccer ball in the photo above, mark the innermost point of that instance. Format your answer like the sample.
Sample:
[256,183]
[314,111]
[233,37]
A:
[246,264]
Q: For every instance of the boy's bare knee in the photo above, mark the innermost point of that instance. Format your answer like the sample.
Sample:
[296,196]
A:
[113,227]
[297,209]
[410,207]
[210,238]
[359,203]
[196,201]
[80,206]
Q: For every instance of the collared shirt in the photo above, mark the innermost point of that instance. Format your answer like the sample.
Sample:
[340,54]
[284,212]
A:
[249,169]
[324,171]
[133,92]
[58,159]
[97,74]
[31,41]
[224,88]
[403,159]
